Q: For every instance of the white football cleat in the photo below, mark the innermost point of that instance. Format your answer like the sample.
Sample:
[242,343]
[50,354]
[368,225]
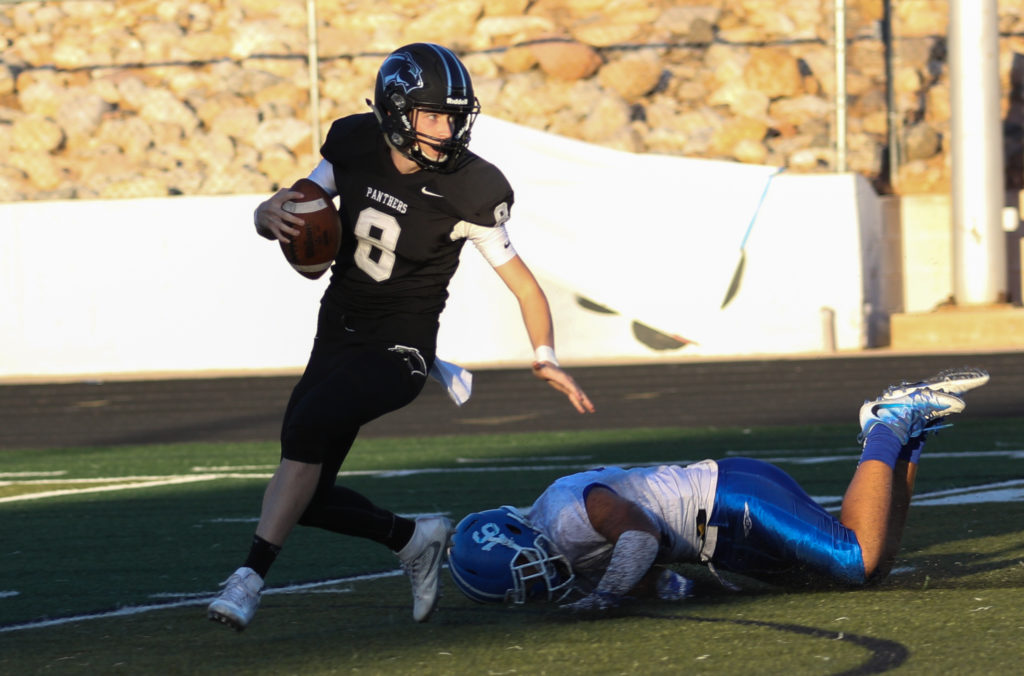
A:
[236,605]
[421,558]
[908,416]
[951,381]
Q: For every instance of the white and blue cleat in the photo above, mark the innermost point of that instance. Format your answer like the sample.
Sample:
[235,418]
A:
[951,381]
[910,415]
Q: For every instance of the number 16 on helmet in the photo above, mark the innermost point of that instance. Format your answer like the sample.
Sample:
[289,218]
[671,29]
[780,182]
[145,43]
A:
[496,556]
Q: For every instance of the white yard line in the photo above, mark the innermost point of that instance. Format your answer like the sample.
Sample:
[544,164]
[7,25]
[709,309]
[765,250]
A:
[132,483]
[239,472]
[183,600]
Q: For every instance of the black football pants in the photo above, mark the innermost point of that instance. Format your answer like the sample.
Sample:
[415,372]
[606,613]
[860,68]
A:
[347,383]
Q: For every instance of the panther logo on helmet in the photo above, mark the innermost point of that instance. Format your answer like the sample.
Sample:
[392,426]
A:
[425,77]
[401,71]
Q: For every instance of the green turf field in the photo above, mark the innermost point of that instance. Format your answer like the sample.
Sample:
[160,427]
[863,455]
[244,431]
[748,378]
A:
[109,555]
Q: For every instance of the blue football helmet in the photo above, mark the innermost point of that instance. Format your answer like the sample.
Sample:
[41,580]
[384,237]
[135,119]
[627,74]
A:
[496,556]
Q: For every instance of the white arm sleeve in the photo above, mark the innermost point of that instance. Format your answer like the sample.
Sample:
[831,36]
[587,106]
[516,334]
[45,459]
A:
[323,175]
[632,557]
[493,243]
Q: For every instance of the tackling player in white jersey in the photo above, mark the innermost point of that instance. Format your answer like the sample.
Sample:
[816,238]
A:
[602,533]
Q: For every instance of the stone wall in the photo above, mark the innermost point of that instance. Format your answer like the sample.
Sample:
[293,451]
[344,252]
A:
[102,99]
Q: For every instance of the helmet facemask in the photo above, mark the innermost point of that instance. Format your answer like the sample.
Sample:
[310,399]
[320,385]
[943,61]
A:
[539,575]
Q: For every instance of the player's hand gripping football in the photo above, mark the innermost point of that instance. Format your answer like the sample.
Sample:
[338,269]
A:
[564,383]
[273,222]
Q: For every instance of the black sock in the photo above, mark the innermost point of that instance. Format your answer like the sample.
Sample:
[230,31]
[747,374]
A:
[401,533]
[261,555]
[343,510]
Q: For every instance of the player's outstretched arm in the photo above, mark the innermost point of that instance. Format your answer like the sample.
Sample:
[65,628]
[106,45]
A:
[537,317]
[564,383]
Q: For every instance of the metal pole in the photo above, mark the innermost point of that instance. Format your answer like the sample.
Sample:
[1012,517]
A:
[979,244]
[314,75]
[840,48]
[892,114]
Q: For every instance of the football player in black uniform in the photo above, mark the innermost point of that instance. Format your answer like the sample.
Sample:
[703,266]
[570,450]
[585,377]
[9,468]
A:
[411,195]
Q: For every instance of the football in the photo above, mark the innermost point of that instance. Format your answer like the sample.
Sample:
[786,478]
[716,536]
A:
[312,251]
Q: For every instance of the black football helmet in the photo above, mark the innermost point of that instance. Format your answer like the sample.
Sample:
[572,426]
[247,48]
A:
[425,76]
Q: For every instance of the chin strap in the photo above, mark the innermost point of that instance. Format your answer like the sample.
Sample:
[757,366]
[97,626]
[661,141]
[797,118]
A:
[632,557]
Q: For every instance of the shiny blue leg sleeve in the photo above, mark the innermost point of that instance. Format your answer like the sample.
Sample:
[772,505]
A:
[770,529]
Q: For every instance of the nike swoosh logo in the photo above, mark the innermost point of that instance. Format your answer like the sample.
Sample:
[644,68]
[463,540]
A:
[435,555]
[429,193]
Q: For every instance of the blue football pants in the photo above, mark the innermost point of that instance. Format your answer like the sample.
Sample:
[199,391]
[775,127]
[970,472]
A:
[769,528]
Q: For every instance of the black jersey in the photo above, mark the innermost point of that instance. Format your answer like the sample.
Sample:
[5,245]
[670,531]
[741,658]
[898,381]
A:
[398,254]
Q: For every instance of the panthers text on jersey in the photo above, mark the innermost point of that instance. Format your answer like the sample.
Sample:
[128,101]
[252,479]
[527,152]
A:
[399,253]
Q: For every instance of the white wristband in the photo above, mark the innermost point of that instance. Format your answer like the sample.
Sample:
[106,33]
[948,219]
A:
[546,353]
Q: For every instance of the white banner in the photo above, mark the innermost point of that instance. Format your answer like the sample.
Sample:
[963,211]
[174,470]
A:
[183,284]
[653,237]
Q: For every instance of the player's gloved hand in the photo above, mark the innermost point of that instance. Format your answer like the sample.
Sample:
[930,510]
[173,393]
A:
[593,601]
[671,586]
